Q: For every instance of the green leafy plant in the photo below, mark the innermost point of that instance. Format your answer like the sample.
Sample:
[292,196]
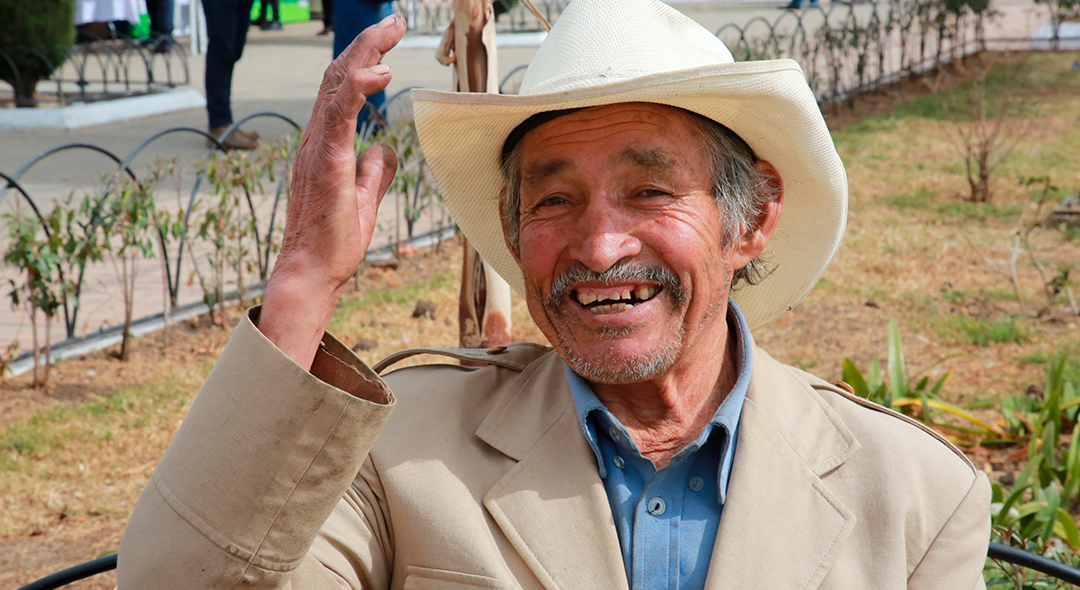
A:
[224,222]
[1035,514]
[36,256]
[170,228]
[1034,520]
[1044,418]
[127,224]
[48,253]
[911,395]
[218,222]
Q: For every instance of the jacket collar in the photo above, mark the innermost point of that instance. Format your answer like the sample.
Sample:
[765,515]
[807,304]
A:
[782,526]
[551,505]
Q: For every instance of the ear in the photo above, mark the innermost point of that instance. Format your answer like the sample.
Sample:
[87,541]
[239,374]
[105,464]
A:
[753,242]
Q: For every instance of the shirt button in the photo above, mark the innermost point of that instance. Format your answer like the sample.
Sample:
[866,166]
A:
[614,434]
[696,483]
[656,507]
[619,462]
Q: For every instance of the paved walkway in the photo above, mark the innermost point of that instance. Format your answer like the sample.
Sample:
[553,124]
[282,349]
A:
[280,72]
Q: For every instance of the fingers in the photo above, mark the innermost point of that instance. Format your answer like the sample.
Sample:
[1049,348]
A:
[338,125]
[369,47]
[365,51]
[375,170]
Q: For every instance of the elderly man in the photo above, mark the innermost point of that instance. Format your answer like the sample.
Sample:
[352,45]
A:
[633,185]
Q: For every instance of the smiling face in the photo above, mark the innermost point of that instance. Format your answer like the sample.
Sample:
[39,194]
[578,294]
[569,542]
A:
[621,242]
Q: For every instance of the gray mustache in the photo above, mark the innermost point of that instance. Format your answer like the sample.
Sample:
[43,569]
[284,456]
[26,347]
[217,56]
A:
[620,271]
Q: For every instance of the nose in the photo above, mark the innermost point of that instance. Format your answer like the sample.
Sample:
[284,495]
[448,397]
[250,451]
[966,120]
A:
[605,236]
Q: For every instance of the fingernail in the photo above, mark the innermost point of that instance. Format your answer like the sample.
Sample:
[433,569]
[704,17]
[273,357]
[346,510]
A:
[381,69]
[388,21]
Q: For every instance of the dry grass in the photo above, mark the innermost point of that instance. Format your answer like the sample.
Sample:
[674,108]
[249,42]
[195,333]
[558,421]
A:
[74,458]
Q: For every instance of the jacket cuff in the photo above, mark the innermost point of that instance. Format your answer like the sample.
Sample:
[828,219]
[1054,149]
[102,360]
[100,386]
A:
[268,449]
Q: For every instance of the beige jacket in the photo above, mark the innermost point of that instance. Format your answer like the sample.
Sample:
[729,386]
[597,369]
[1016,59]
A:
[482,479]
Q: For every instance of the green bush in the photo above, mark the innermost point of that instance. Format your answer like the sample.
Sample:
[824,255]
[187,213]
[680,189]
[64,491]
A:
[30,31]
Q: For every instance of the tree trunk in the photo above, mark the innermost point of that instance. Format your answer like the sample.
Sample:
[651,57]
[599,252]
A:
[25,88]
[164,296]
[37,351]
[484,304]
[48,349]
[127,280]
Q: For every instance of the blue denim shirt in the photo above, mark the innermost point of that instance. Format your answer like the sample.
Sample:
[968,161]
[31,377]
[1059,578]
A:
[667,519]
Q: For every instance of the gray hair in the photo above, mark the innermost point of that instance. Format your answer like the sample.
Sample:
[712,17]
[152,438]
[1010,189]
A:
[740,189]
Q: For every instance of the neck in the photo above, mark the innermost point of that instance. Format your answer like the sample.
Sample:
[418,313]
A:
[665,414]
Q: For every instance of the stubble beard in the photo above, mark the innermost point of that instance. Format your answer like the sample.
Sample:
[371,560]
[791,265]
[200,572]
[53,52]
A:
[609,366]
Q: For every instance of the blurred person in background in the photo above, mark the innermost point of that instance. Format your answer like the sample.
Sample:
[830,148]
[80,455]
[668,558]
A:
[227,22]
[350,18]
[161,24]
[327,17]
[266,7]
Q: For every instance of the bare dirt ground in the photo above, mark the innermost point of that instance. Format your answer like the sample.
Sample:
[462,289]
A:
[76,455]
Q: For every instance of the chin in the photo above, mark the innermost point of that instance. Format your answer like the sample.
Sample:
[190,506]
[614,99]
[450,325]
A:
[613,368]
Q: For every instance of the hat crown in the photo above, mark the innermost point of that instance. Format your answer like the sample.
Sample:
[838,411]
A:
[596,42]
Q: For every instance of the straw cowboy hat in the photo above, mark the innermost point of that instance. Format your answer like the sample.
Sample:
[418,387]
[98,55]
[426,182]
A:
[612,51]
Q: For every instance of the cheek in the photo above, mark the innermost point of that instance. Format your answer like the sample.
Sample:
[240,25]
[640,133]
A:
[687,242]
[538,251]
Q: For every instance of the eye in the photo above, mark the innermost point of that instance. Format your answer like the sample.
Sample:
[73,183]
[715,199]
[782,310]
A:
[551,201]
[652,193]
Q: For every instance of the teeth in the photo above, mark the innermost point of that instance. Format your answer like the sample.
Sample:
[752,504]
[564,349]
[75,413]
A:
[641,294]
[610,308]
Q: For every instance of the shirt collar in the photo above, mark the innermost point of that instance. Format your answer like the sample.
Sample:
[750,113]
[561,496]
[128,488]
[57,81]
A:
[727,415]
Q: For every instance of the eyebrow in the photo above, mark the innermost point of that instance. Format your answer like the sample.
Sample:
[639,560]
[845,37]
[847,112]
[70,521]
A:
[541,170]
[652,159]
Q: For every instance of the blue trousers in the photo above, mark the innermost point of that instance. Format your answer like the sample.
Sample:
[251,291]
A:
[227,22]
[161,18]
[351,17]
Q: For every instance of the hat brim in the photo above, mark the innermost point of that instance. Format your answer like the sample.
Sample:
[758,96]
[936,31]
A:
[768,104]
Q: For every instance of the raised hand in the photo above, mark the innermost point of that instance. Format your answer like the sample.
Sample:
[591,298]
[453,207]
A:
[335,197]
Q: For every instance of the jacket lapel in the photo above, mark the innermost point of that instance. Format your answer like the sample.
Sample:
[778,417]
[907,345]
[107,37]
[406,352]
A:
[782,526]
[552,505]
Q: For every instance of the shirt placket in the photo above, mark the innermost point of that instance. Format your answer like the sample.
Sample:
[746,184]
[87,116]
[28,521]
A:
[657,519]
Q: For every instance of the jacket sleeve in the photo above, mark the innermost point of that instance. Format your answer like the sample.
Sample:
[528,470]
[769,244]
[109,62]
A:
[264,457]
[956,557]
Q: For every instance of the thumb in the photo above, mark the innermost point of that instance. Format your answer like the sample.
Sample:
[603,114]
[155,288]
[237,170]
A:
[375,170]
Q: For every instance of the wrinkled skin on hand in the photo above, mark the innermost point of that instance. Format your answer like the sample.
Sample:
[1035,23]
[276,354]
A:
[335,197]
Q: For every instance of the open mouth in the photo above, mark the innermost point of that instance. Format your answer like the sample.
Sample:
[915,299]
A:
[615,300]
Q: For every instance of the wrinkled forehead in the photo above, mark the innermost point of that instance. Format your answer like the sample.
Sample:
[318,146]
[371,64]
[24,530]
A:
[539,119]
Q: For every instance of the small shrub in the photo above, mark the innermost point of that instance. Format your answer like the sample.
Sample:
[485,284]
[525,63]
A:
[36,254]
[127,226]
[30,31]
